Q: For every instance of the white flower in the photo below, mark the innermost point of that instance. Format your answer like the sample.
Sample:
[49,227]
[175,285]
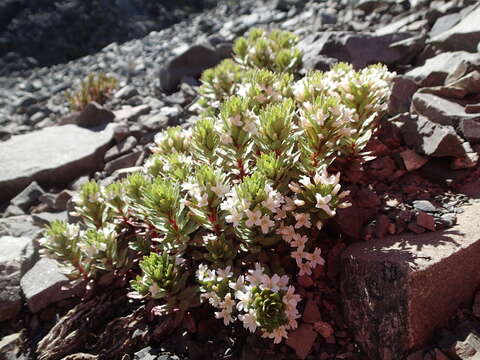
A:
[295,187]
[226,314]
[281,214]
[304,269]
[305,181]
[322,202]
[303,219]
[224,274]
[273,201]
[266,223]
[226,139]
[234,217]
[315,258]
[250,128]
[319,225]
[298,255]
[202,272]
[243,298]
[289,204]
[299,202]
[255,277]
[202,200]
[344,194]
[239,285]
[236,120]
[94,197]
[277,334]
[227,302]
[253,217]
[287,232]
[220,189]
[249,321]
[299,240]
[344,205]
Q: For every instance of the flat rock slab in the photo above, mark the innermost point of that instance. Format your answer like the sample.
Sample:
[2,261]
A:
[51,156]
[397,290]
[43,285]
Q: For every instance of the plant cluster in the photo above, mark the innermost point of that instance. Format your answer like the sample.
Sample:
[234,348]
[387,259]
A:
[227,212]
[96,87]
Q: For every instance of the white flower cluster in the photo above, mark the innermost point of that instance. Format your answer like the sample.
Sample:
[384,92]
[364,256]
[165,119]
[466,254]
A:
[242,299]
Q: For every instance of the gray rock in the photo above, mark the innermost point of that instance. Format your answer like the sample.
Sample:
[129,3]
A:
[42,285]
[463,36]
[444,68]
[190,62]
[124,161]
[11,347]
[155,122]
[445,23]
[448,219]
[28,197]
[359,49]
[12,257]
[13,210]
[401,95]
[45,218]
[441,111]
[18,226]
[126,92]
[130,113]
[51,156]
[431,139]
[94,115]
[122,148]
[424,205]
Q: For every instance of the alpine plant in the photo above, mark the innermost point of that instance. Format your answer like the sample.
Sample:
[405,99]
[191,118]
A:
[222,212]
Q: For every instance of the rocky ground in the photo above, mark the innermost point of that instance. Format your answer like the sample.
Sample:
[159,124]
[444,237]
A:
[424,174]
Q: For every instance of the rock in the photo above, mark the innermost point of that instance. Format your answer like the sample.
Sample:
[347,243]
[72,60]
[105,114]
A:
[439,355]
[324,329]
[13,255]
[439,171]
[126,93]
[155,122]
[426,221]
[448,219]
[125,161]
[132,113]
[302,339]
[45,218]
[62,199]
[442,111]
[11,347]
[359,49]
[412,160]
[463,36]
[400,100]
[18,226]
[94,115]
[424,205]
[44,284]
[444,68]
[311,313]
[28,197]
[122,148]
[468,349]
[51,156]
[13,210]
[476,305]
[397,290]
[431,139]
[444,23]
[190,62]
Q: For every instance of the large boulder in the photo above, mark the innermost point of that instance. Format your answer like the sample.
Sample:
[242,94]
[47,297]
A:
[359,49]
[396,291]
[192,61]
[94,115]
[51,156]
[463,36]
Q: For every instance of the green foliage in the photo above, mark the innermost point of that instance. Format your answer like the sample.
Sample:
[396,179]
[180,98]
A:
[252,173]
[96,87]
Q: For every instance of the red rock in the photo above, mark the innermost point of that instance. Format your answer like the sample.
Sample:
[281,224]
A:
[382,168]
[412,160]
[476,305]
[396,291]
[305,281]
[333,260]
[302,339]
[311,313]
[324,329]
[382,224]
[426,221]
[439,355]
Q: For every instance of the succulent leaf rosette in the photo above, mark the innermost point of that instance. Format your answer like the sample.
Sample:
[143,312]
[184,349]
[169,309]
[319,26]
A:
[213,207]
